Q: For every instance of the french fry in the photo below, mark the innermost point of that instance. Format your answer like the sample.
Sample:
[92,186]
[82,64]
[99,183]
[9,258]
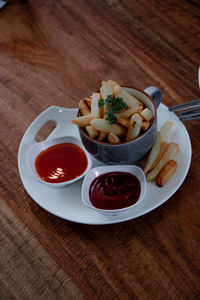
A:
[124,122]
[113,138]
[103,125]
[113,84]
[162,149]
[134,127]
[131,101]
[84,108]
[154,153]
[145,125]
[147,114]
[102,135]
[95,110]
[106,90]
[129,112]
[91,131]
[88,101]
[165,130]
[170,152]
[82,121]
[166,172]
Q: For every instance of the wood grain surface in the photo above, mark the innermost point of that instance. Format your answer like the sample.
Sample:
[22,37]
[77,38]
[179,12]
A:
[56,53]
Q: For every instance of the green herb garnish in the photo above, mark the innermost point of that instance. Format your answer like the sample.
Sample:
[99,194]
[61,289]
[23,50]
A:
[110,117]
[101,103]
[114,105]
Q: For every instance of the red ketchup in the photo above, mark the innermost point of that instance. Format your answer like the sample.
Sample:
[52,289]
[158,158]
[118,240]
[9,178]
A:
[114,190]
[60,163]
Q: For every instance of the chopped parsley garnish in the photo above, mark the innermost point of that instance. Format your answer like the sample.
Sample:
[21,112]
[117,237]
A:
[114,105]
[110,117]
[101,103]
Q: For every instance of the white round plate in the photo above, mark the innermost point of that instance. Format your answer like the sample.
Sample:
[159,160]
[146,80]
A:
[66,202]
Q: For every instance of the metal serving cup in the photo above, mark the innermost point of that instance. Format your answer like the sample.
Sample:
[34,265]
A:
[127,152]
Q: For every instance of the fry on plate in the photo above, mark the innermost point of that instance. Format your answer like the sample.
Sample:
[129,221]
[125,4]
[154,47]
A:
[166,172]
[165,130]
[162,149]
[169,153]
[154,153]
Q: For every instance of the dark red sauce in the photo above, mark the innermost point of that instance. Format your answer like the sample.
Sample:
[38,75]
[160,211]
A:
[62,162]
[114,190]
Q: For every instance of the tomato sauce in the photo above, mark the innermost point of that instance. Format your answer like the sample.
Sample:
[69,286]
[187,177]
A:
[60,163]
[114,190]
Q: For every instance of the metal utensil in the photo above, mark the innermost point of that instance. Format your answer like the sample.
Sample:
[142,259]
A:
[186,105]
[187,111]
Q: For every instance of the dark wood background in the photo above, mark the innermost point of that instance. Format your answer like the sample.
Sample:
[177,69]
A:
[56,53]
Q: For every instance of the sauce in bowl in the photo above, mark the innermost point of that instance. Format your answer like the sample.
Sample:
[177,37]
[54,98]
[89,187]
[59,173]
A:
[114,190]
[61,163]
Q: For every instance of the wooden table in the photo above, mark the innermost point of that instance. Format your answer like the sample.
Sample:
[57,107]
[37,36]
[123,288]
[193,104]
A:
[56,53]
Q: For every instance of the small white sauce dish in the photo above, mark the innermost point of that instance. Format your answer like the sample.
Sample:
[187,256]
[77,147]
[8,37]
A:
[97,171]
[37,148]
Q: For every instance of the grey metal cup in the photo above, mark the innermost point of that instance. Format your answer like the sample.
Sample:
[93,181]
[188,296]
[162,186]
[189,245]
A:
[127,152]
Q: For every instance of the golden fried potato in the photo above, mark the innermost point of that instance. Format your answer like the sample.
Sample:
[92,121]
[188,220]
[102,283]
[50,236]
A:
[130,100]
[106,90]
[103,125]
[154,153]
[162,149]
[134,127]
[82,121]
[113,84]
[128,112]
[95,110]
[166,172]
[113,138]
[124,122]
[170,152]
[91,131]
[165,130]
[102,135]
[145,125]
[88,102]
[147,114]
[84,109]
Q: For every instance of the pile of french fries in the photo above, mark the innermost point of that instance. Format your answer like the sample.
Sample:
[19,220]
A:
[131,122]
[160,164]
